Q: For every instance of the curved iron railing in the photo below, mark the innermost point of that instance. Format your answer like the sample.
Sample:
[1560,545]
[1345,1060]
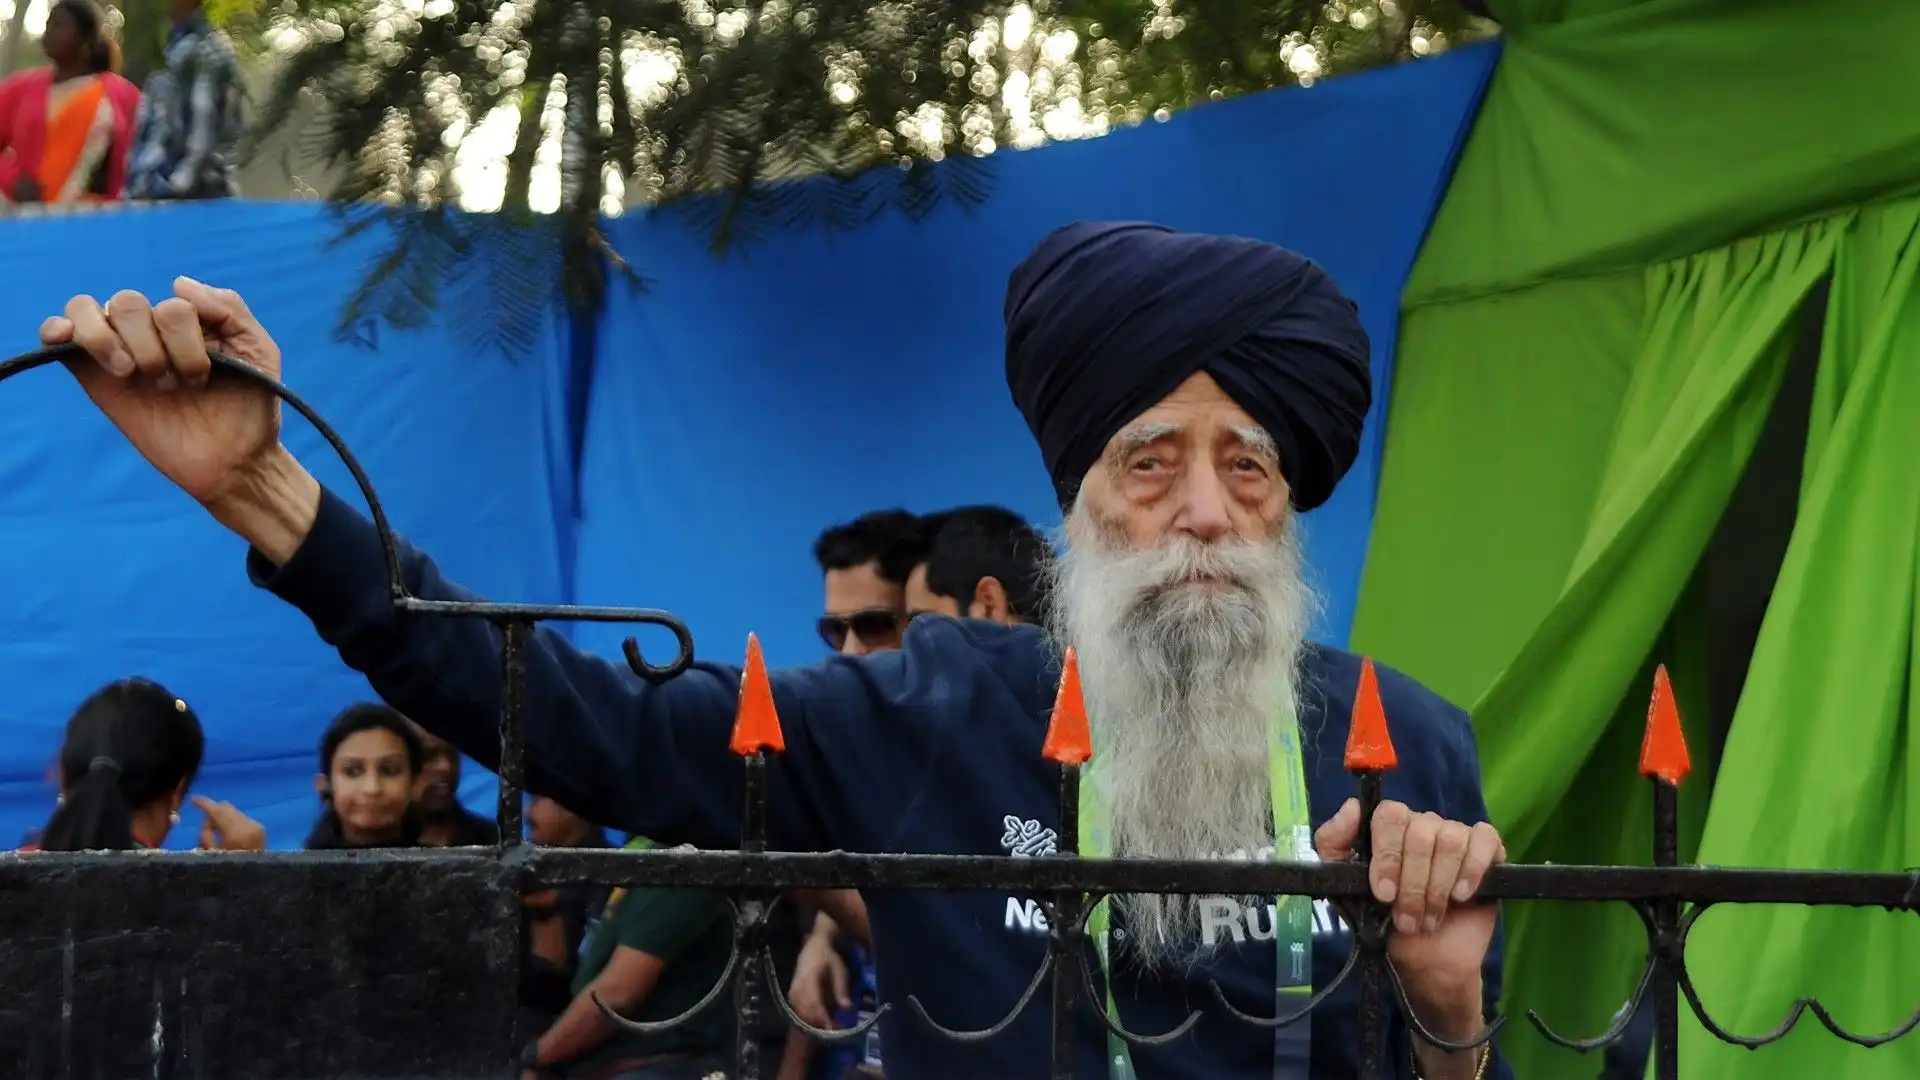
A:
[1669,897]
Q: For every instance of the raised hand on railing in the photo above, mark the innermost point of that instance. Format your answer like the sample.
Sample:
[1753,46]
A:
[218,439]
[1429,869]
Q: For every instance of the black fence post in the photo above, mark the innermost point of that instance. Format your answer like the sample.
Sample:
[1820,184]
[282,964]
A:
[1065,940]
[510,929]
[1068,744]
[1664,761]
[513,706]
[756,730]
[750,931]
[1369,754]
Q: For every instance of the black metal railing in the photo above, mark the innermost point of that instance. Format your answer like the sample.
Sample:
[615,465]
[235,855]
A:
[1668,897]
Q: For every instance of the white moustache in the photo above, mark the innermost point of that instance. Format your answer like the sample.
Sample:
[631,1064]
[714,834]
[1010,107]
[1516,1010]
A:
[1187,561]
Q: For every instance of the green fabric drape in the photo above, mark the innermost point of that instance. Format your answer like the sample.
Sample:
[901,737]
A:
[1719,328]
[1560,726]
[1820,759]
[1630,134]
[1496,440]
[1590,342]
[1576,963]
[1614,134]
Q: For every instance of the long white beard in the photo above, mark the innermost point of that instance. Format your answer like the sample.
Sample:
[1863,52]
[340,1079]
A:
[1183,682]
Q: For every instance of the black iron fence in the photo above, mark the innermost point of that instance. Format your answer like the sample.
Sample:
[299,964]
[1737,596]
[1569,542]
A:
[200,993]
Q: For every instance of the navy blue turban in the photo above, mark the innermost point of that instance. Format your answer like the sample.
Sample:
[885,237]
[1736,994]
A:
[1106,319]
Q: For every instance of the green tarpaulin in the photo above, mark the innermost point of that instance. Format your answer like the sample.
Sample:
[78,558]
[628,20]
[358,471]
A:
[1592,342]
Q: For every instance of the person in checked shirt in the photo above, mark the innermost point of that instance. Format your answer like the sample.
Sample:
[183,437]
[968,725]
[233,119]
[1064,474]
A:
[191,116]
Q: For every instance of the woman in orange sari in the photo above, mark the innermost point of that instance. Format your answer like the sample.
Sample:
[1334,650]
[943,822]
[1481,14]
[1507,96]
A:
[65,130]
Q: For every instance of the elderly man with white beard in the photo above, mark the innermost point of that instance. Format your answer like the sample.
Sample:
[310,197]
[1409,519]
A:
[1190,394]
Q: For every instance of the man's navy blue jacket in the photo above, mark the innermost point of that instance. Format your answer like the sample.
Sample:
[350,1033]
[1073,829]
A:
[932,749]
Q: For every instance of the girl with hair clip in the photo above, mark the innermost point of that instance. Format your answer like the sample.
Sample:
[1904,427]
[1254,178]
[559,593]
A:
[370,781]
[66,129]
[131,751]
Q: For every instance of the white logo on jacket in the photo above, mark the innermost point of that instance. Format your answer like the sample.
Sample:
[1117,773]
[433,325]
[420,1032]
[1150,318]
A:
[1222,918]
[1025,838]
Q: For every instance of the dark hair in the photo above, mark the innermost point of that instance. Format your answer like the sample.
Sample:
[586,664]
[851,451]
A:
[891,538]
[92,21]
[130,744]
[370,716]
[975,542]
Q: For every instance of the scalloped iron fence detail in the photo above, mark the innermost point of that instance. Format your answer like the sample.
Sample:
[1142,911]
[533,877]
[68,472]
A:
[1668,896]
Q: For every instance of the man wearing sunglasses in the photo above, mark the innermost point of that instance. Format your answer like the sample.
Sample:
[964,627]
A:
[979,562]
[865,563]
[1192,397]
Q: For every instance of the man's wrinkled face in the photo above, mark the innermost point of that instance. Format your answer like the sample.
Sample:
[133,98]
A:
[865,613]
[1194,465]
[1180,588]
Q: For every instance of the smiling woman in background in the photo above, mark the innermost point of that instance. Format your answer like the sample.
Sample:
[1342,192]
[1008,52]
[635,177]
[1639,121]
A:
[66,129]
[369,782]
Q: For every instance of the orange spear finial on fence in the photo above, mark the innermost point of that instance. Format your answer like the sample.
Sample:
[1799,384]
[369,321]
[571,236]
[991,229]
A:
[1069,739]
[1663,752]
[756,726]
[1369,747]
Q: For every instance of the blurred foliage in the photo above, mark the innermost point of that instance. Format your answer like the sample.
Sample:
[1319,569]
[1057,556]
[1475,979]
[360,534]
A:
[712,109]
[143,26]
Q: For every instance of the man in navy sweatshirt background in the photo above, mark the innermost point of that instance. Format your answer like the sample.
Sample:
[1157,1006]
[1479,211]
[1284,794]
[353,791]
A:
[1190,395]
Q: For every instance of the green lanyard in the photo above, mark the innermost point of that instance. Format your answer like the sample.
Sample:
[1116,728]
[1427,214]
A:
[638,843]
[1293,915]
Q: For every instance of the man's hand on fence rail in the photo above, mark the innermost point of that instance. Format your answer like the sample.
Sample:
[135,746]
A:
[218,439]
[1430,870]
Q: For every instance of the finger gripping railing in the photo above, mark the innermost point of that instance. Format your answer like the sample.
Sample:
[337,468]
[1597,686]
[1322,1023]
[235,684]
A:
[1668,897]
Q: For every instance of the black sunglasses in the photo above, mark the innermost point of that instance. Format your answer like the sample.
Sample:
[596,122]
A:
[870,626]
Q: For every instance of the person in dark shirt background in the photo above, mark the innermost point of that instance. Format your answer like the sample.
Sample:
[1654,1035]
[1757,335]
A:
[554,921]
[864,567]
[981,562]
[443,821]
[650,955]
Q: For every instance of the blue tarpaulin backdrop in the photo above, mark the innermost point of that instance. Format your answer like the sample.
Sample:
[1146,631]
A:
[732,412]
[110,571]
[740,406]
